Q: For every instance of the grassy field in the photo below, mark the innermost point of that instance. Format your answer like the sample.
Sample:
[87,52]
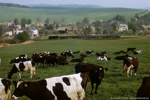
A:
[71,15]
[114,84]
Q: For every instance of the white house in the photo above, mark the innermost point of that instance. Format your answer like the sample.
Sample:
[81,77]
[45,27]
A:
[123,27]
[8,33]
[33,32]
[19,31]
[19,27]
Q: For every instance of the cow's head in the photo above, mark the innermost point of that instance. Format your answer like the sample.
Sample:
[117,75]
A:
[100,71]
[21,88]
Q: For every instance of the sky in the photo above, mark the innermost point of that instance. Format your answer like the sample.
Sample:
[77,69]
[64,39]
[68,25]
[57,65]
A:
[106,3]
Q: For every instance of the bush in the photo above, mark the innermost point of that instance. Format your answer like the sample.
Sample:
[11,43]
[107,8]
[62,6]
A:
[22,36]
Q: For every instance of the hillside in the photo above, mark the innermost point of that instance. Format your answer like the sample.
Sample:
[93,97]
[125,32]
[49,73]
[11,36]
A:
[71,15]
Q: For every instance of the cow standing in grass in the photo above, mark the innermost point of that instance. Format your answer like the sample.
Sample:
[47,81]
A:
[96,73]
[22,67]
[67,87]
[130,64]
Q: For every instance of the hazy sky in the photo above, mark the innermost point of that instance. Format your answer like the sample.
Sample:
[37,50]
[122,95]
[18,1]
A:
[107,3]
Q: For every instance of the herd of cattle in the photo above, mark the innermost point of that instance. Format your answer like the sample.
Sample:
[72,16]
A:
[67,87]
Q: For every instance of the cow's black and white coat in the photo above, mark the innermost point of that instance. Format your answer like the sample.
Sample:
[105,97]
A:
[23,67]
[68,87]
[5,89]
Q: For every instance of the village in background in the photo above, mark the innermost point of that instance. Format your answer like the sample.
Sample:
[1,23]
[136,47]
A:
[20,30]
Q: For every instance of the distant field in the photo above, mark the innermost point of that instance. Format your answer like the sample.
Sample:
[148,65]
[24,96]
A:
[114,83]
[71,15]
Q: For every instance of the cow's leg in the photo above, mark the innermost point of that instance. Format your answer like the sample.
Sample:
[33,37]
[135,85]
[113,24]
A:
[124,69]
[135,72]
[128,71]
[31,73]
[131,72]
[92,86]
[81,95]
[19,75]
[96,88]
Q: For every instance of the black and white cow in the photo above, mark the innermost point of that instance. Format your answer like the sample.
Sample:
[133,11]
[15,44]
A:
[22,67]
[5,89]
[104,58]
[68,87]
[89,52]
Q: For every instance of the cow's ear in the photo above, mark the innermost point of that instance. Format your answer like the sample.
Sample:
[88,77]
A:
[105,69]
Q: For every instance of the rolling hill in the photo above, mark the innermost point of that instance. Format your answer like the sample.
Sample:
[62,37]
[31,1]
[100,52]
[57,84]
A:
[71,15]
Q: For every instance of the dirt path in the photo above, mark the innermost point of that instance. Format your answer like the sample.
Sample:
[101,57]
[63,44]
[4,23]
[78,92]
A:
[6,45]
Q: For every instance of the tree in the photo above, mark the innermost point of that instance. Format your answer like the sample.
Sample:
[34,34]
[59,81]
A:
[120,18]
[87,30]
[105,32]
[97,23]
[47,21]
[132,26]
[80,27]
[114,26]
[50,27]
[22,36]
[98,30]
[16,21]
[23,22]
[29,21]
[85,20]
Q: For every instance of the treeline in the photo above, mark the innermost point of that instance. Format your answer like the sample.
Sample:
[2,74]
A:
[13,5]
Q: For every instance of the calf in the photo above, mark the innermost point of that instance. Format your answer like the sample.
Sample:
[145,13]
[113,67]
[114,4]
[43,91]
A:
[121,57]
[104,58]
[129,64]
[62,60]
[78,60]
[19,59]
[138,51]
[76,52]
[5,89]
[22,67]
[89,52]
[130,49]
[144,90]
[68,87]
[96,73]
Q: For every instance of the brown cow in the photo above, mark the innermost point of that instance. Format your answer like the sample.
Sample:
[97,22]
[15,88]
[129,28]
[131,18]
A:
[129,64]
[96,73]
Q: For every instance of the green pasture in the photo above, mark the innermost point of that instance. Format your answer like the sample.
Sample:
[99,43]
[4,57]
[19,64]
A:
[70,15]
[113,85]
